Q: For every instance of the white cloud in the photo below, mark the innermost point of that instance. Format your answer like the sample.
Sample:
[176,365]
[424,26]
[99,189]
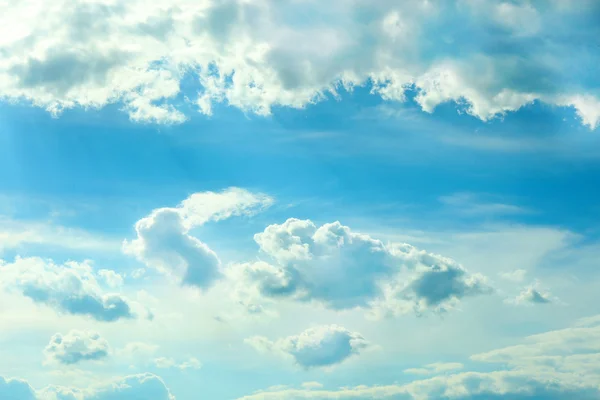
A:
[164,242]
[343,269]
[322,346]
[312,385]
[434,368]
[478,204]
[18,233]
[255,55]
[533,296]
[517,275]
[76,346]
[166,362]
[111,278]
[71,288]
[141,386]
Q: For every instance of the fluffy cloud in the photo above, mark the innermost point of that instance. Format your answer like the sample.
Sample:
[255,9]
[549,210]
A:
[255,55]
[532,295]
[315,347]
[164,242]
[111,278]
[76,346]
[343,269]
[71,288]
[561,364]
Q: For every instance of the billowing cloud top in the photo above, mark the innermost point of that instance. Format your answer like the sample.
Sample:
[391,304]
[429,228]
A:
[258,54]
[343,269]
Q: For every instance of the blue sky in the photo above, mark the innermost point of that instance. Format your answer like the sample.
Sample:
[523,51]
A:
[292,200]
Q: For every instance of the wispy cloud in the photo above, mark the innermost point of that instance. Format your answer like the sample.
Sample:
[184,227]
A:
[480,204]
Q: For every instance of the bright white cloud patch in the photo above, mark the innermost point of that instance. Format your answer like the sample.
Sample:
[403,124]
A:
[69,288]
[343,269]
[315,347]
[260,54]
[164,242]
[76,346]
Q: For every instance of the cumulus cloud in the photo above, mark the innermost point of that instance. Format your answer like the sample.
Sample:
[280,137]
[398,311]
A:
[561,364]
[71,288]
[532,295]
[255,55]
[76,346]
[164,241]
[315,347]
[343,269]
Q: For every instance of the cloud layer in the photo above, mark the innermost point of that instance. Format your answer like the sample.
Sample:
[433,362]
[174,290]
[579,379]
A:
[557,365]
[490,56]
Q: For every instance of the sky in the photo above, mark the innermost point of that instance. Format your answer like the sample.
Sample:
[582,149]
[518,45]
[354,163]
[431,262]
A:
[297,199]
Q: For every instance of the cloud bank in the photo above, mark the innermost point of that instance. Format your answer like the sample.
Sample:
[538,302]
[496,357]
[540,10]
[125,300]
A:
[490,57]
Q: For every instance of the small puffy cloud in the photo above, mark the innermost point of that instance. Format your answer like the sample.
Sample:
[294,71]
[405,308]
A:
[166,362]
[71,288]
[76,346]
[111,278]
[165,243]
[315,347]
[343,269]
[434,368]
[532,295]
